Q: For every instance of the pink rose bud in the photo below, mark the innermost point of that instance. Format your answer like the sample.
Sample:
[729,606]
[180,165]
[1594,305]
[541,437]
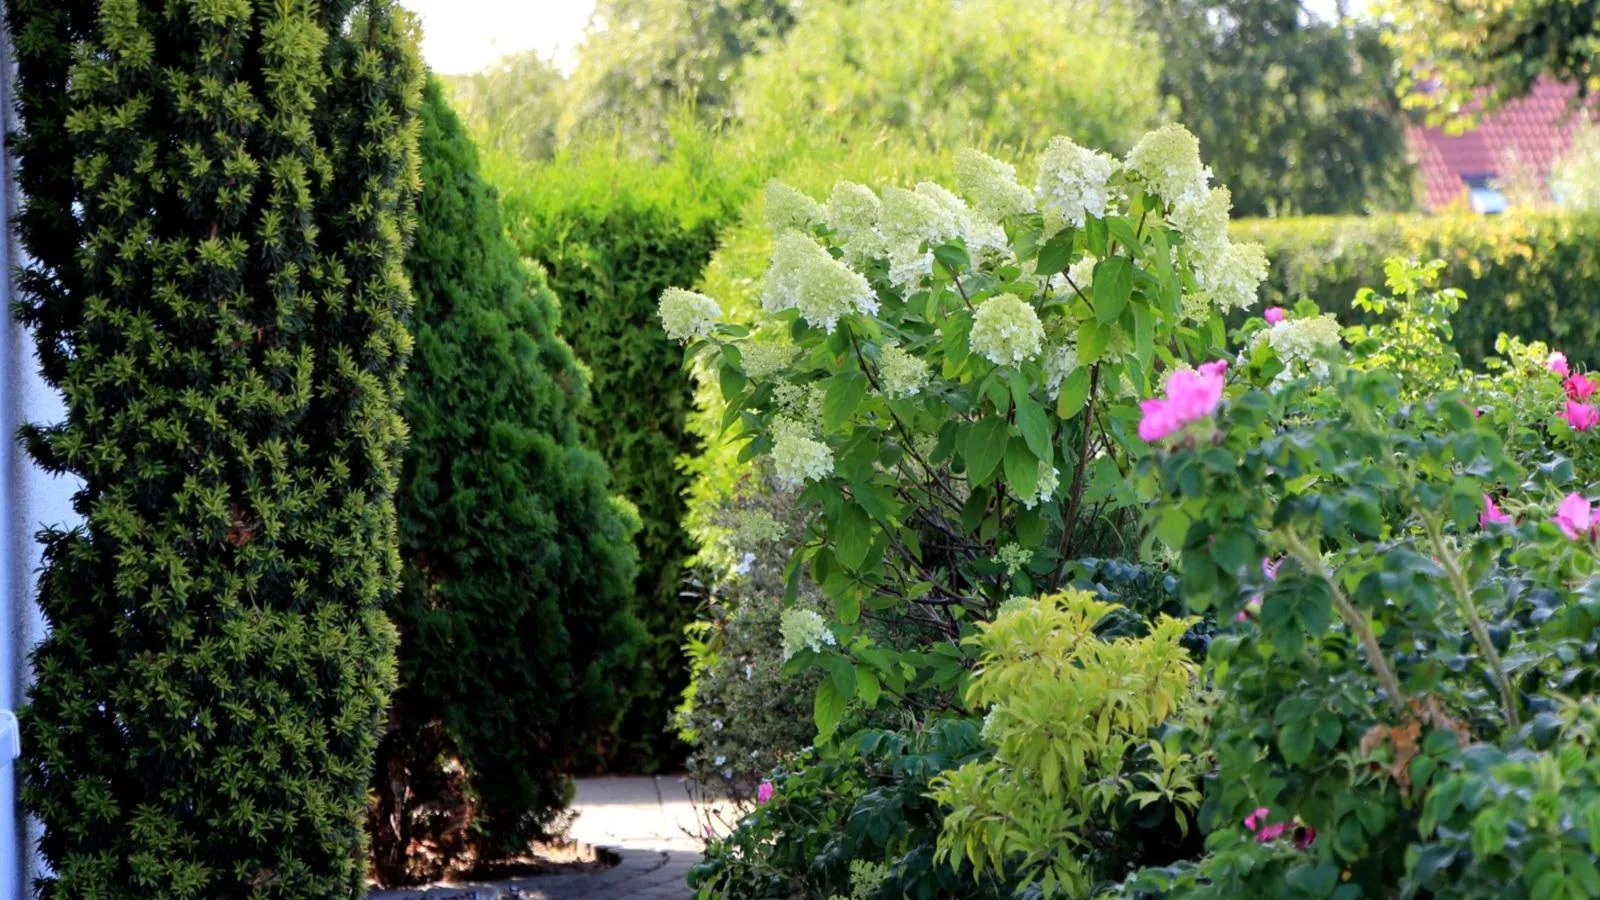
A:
[1274,315]
[1558,364]
[764,792]
[1491,514]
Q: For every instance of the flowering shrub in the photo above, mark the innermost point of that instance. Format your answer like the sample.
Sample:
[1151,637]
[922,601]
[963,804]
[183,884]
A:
[1410,567]
[950,384]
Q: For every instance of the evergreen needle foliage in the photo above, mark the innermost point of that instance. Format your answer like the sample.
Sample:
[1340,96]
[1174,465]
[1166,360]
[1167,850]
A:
[219,198]
[517,639]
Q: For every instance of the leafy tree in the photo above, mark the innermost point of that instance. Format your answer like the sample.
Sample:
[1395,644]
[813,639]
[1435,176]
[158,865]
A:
[518,642]
[1297,115]
[1462,59]
[949,73]
[642,59]
[219,196]
[514,106]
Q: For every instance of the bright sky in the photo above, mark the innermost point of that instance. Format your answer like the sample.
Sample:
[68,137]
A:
[462,36]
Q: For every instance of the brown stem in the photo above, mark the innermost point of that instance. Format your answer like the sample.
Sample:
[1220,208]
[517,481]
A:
[1353,618]
[1480,632]
[1069,526]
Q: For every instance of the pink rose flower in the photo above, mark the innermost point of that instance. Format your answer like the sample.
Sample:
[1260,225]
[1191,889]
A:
[1491,514]
[1269,567]
[1304,837]
[1575,517]
[1256,819]
[1274,315]
[1191,396]
[1558,364]
[764,792]
[1579,387]
[1581,416]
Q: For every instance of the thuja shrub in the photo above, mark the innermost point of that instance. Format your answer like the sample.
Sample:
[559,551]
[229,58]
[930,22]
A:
[518,645]
[611,234]
[218,200]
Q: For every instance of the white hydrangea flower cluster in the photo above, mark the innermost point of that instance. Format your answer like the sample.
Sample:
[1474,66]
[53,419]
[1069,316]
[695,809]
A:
[761,358]
[803,629]
[686,315]
[1014,557]
[797,456]
[788,209]
[1073,184]
[852,213]
[805,277]
[1006,330]
[912,221]
[1049,480]
[1060,360]
[992,186]
[1168,159]
[1300,343]
[902,373]
[1229,275]
[1081,272]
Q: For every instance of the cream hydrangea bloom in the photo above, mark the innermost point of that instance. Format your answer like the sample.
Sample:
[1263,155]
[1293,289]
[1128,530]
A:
[1234,281]
[1073,184]
[1049,480]
[761,358]
[1301,342]
[686,315]
[1203,220]
[805,277]
[902,373]
[912,223]
[797,456]
[1168,159]
[788,208]
[803,629]
[992,186]
[981,236]
[1060,361]
[852,213]
[1006,330]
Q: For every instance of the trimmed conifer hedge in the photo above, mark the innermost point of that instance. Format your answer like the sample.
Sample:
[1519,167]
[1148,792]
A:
[612,234]
[218,199]
[518,646]
[1534,275]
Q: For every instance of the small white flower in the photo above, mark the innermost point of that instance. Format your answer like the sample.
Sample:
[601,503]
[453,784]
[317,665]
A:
[687,315]
[1049,480]
[901,373]
[719,761]
[716,725]
[798,457]
[1006,330]
[803,629]
[1073,184]
[1168,159]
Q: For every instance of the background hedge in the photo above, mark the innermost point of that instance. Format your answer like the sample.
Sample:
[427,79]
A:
[219,196]
[518,646]
[1529,274]
[612,233]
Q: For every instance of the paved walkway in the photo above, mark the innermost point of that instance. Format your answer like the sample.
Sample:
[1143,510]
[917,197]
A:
[649,822]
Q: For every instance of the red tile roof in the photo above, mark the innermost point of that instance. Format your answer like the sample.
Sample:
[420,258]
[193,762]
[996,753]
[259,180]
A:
[1531,130]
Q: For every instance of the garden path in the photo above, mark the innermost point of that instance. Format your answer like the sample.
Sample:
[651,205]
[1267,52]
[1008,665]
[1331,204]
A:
[648,821]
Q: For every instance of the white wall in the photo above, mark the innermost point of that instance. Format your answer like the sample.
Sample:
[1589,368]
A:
[31,500]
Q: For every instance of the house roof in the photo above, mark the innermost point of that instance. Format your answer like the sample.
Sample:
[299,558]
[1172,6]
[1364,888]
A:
[1530,131]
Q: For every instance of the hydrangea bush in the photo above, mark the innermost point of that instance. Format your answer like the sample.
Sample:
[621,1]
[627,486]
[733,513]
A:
[951,383]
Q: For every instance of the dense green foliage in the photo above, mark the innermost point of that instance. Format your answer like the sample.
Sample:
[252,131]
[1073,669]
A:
[941,73]
[219,199]
[643,59]
[513,107]
[1466,58]
[1535,276]
[612,234]
[518,648]
[1296,115]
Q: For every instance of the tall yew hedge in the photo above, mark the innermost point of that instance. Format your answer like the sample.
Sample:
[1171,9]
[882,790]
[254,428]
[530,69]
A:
[518,646]
[218,196]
